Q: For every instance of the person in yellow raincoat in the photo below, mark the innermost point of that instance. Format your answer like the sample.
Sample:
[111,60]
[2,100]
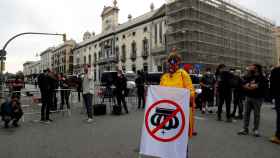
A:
[179,78]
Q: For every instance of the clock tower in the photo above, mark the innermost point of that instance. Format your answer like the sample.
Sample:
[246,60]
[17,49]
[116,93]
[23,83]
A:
[110,17]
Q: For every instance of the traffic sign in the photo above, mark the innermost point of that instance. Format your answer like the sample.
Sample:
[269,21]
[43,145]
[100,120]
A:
[165,119]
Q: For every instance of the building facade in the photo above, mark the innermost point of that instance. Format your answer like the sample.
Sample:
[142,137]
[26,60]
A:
[276,31]
[131,46]
[46,62]
[62,58]
[217,31]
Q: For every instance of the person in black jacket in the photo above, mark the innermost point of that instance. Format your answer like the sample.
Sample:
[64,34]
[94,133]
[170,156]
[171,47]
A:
[121,89]
[140,89]
[11,111]
[223,78]
[275,91]
[46,89]
[238,95]
[64,91]
[254,88]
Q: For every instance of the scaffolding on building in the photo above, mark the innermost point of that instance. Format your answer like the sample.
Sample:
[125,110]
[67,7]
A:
[211,32]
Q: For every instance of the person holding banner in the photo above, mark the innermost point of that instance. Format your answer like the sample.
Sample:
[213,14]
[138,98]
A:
[179,78]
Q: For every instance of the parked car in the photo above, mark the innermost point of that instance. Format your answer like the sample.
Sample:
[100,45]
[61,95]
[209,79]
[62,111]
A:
[153,78]
[196,78]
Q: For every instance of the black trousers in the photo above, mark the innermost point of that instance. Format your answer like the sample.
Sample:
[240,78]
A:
[46,105]
[238,103]
[121,100]
[141,98]
[224,97]
[15,116]
[277,108]
[207,98]
[64,96]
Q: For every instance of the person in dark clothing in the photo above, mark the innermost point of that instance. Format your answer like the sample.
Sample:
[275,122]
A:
[46,89]
[275,91]
[121,89]
[79,87]
[254,88]
[140,89]
[11,111]
[224,91]
[17,86]
[207,85]
[238,95]
[54,85]
[64,92]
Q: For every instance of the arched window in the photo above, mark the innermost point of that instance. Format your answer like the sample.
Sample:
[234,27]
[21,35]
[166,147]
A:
[133,51]
[85,60]
[123,56]
[89,59]
[145,48]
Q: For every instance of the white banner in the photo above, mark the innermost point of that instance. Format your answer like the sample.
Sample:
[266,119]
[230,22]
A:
[166,123]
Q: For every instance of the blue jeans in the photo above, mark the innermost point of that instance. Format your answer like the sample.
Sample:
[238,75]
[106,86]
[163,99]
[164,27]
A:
[88,103]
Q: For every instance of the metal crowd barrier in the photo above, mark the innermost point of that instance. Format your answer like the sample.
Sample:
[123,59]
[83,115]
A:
[31,101]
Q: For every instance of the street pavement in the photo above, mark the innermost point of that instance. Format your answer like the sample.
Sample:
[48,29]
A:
[109,136]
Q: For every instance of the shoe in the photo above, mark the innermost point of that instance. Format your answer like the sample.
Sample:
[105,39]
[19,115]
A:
[210,112]
[243,132]
[256,133]
[50,120]
[15,124]
[194,133]
[6,125]
[89,120]
[47,122]
[275,140]
[229,120]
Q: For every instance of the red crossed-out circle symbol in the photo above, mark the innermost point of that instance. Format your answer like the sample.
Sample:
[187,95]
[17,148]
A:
[152,132]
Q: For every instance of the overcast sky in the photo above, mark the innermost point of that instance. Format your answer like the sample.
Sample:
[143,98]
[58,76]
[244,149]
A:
[74,17]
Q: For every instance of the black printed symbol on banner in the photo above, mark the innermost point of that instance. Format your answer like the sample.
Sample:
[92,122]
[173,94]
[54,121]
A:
[160,115]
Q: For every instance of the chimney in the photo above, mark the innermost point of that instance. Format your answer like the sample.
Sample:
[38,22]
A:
[152,6]
[129,17]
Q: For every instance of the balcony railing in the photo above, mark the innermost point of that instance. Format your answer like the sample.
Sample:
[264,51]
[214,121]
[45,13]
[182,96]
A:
[158,50]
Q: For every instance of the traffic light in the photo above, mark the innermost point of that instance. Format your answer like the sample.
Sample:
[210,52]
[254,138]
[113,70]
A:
[2,66]
[64,37]
[3,53]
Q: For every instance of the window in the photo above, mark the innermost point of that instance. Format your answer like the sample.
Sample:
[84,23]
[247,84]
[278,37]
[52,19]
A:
[134,68]
[85,60]
[117,53]
[95,58]
[133,33]
[145,29]
[156,34]
[145,47]
[160,33]
[117,38]
[89,48]
[134,50]
[145,67]
[89,59]
[123,68]
[95,45]
[123,36]
[123,57]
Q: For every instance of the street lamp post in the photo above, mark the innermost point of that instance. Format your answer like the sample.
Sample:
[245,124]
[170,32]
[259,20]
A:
[3,52]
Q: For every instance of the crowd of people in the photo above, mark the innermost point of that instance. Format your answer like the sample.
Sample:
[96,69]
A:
[246,90]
